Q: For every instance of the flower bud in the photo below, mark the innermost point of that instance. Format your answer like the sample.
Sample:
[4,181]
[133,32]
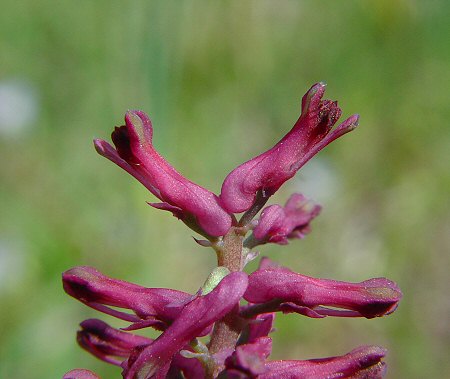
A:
[278,224]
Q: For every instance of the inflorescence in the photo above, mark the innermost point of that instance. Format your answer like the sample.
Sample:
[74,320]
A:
[235,310]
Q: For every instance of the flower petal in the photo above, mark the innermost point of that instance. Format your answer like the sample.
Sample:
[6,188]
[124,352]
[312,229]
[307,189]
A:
[250,358]
[268,171]
[107,343]
[261,326]
[197,315]
[276,288]
[363,362]
[157,307]
[135,154]
[278,224]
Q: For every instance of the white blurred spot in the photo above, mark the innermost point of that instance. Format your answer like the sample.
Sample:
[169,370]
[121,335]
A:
[18,107]
[317,181]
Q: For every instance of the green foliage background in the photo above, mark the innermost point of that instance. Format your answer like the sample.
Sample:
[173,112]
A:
[222,81]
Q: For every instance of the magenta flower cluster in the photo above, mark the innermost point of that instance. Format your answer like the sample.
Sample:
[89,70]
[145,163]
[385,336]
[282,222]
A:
[223,330]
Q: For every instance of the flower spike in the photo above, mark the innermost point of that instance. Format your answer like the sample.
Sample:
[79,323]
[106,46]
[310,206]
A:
[239,344]
[267,172]
[196,206]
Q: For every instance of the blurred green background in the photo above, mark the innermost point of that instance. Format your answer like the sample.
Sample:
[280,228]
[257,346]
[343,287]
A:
[222,82]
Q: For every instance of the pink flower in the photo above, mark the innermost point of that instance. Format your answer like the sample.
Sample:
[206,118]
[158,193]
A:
[361,363]
[196,206]
[115,346]
[239,343]
[278,224]
[249,361]
[106,343]
[279,289]
[155,307]
[267,172]
[197,315]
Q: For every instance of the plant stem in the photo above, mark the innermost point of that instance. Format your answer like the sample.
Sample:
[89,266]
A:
[229,254]
[226,331]
[260,201]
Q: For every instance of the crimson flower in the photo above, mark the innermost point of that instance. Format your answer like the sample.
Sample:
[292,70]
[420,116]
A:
[280,289]
[268,171]
[188,201]
[279,224]
[234,311]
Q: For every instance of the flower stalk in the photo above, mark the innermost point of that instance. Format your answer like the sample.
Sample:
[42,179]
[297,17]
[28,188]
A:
[235,310]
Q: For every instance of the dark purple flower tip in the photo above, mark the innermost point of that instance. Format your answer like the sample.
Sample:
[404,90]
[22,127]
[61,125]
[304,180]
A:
[115,346]
[197,315]
[135,154]
[79,373]
[364,363]
[156,307]
[268,171]
[278,224]
[283,290]
[107,343]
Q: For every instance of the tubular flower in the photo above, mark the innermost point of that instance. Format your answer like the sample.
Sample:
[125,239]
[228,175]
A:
[283,290]
[186,200]
[155,307]
[249,361]
[235,311]
[278,224]
[362,363]
[115,346]
[267,172]
[107,343]
[197,315]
